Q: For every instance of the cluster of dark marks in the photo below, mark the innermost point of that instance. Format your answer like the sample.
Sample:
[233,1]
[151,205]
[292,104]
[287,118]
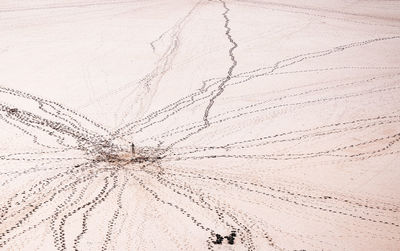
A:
[89,188]
[230,238]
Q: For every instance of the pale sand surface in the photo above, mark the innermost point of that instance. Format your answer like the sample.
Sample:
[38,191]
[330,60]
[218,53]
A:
[273,123]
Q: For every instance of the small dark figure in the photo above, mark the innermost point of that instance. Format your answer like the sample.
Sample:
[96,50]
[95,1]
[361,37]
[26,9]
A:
[231,238]
[133,148]
[219,239]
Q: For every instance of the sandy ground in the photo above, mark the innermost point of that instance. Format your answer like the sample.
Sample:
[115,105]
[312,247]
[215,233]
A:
[257,125]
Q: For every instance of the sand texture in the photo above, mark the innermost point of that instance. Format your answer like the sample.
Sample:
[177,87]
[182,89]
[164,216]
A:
[199,125]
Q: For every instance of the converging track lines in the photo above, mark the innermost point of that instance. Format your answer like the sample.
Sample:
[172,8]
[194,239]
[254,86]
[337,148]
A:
[274,141]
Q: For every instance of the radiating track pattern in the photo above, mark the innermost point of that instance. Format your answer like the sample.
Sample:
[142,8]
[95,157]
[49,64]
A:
[84,170]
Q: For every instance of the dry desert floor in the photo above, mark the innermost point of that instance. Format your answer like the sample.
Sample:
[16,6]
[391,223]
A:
[199,125]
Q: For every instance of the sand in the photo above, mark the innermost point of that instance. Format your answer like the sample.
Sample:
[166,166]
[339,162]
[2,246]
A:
[257,125]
